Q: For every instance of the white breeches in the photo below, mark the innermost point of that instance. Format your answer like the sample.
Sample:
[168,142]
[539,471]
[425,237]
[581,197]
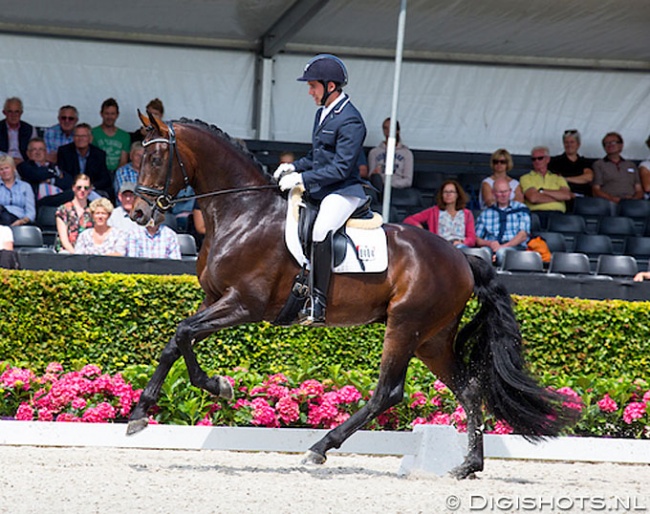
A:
[333,213]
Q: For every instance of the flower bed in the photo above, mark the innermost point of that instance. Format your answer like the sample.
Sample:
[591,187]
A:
[619,408]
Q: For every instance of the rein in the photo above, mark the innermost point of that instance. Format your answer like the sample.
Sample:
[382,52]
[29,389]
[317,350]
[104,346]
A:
[163,200]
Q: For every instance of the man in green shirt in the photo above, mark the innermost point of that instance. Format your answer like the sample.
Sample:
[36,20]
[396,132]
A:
[114,141]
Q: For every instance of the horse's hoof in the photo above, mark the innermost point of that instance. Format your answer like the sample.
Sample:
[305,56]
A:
[136,425]
[463,472]
[311,457]
[225,389]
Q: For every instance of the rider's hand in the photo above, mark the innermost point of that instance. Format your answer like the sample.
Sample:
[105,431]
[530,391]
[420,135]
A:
[290,181]
[283,169]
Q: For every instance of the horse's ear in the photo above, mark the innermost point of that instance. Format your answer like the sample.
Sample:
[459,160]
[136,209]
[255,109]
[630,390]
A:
[156,123]
[143,119]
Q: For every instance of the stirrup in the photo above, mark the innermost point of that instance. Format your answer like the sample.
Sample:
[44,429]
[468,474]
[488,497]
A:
[313,313]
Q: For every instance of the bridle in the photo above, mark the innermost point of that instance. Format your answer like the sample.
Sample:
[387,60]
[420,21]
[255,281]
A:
[162,200]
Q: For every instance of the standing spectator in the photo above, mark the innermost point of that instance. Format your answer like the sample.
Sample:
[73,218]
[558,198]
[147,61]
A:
[17,204]
[153,242]
[81,156]
[505,226]
[113,140]
[544,191]
[501,163]
[615,178]
[73,217]
[644,172]
[120,218]
[403,166]
[51,185]
[575,168]
[101,239]
[448,218]
[156,108]
[15,133]
[61,133]
[130,171]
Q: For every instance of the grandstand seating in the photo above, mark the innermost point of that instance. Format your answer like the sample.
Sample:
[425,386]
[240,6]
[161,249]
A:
[569,263]
[622,266]
[593,245]
[592,210]
[569,225]
[522,262]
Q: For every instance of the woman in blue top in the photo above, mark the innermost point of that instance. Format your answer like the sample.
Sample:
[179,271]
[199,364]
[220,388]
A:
[329,172]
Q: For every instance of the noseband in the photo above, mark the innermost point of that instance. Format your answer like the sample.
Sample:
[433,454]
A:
[163,201]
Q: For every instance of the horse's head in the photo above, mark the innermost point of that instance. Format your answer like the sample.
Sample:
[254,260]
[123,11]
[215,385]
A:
[161,175]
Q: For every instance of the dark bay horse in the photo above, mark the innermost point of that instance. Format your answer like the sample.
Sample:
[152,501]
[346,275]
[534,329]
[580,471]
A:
[247,272]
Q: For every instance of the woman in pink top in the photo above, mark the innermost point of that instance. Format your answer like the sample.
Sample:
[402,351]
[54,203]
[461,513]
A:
[448,218]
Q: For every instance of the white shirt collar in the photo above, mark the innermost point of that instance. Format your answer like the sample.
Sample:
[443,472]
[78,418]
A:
[326,110]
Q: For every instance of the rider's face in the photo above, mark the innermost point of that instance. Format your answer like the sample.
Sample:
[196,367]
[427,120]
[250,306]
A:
[316,91]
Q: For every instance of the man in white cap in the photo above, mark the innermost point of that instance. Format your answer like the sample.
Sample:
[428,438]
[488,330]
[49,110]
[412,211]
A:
[120,217]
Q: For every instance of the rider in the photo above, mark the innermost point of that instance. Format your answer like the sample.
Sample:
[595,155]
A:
[329,172]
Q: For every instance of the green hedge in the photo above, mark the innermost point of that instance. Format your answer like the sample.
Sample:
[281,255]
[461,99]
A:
[117,320]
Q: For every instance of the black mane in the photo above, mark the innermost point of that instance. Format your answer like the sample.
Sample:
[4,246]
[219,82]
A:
[236,143]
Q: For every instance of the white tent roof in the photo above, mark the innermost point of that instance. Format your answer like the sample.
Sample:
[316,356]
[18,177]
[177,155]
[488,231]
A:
[582,33]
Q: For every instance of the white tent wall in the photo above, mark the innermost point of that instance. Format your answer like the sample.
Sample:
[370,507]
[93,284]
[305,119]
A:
[46,73]
[442,106]
[479,108]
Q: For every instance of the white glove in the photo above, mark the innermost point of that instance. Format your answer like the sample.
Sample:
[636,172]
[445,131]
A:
[285,167]
[290,181]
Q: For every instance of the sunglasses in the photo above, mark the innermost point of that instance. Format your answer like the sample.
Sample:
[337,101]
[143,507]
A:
[570,132]
[84,188]
[499,161]
[608,143]
[540,158]
[67,118]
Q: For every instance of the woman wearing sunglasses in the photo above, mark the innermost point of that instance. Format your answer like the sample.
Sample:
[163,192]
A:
[74,217]
[501,164]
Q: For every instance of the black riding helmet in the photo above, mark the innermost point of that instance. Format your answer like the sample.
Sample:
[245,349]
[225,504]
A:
[326,68]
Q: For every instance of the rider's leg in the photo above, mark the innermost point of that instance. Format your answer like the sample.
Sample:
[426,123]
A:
[333,213]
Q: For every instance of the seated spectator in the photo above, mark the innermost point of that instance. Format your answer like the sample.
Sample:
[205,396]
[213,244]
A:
[575,168]
[403,165]
[505,226]
[101,239]
[448,218]
[130,171]
[183,210]
[156,108]
[544,191]
[501,163]
[615,178]
[73,217]
[81,157]
[121,215]
[51,185]
[113,140]
[6,238]
[153,242]
[196,225]
[644,172]
[61,133]
[15,133]
[17,204]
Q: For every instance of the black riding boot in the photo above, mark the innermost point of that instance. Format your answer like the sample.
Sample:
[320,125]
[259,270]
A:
[313,313]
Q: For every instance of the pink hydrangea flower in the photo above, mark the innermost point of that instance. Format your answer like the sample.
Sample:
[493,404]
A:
[573,400]
[646,397]
[25,412]
[311,388]
[607,404]
[205,422]
[54,367]
[436,401]
[502,428]
[440,418]
[349,394]
[288,410]
[459,415]
[634,410]
[419,421]
[17,378]
[439,386]
[417,398]
[263,414]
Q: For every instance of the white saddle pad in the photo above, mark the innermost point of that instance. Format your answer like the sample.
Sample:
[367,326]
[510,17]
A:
[370,243]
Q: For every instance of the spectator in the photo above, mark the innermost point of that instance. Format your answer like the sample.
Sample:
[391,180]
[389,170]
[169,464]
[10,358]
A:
[101,239]
[51,185]
[156,108]
[544,191]
[448,218]
[73,217]
[6,238]
[81,156]
[615,178]
[153,242]
[501,163]
[17,204]
[61,133]
[113,140]
[286,157]
[575,168]
[121,215]
[130,171]
[505,226]
[15,133]
[644,172]
[403,166]
[197,225]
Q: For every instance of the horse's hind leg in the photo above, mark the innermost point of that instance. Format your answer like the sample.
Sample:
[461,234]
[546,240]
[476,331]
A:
[389,392]
[138,419]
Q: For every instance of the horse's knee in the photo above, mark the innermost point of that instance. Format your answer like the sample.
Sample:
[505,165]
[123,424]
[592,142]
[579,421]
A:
[184,332]
[170,352]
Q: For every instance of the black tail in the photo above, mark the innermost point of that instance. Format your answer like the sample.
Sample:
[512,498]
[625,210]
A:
[490,347]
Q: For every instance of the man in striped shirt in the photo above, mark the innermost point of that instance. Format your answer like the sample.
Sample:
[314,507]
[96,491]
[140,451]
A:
[153,242]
